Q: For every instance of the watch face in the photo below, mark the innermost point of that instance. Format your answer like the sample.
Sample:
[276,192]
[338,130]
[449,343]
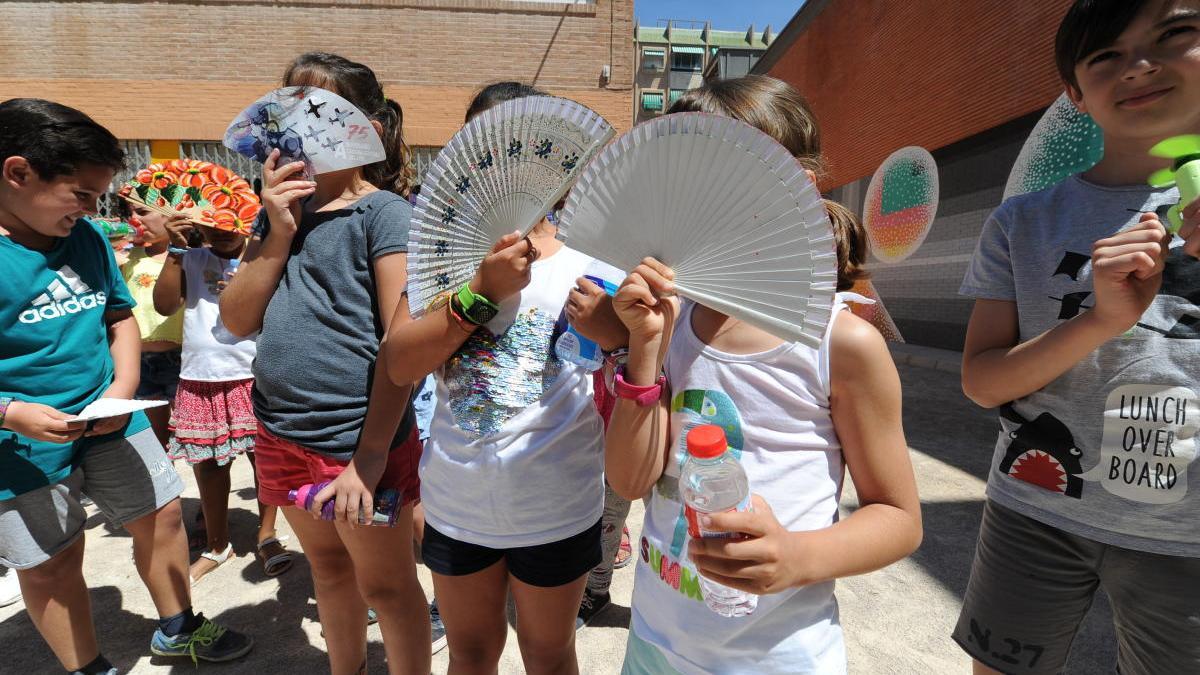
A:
[481,313]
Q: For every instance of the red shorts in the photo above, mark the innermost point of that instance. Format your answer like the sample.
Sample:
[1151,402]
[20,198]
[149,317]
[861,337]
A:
[282,466]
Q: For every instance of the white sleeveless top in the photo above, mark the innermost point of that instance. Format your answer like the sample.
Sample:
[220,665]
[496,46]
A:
[774,407]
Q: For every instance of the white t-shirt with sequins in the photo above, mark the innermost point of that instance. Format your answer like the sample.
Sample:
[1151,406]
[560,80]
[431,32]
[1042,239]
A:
[516,449]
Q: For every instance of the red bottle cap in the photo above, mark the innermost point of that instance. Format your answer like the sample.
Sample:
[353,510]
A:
[707,441]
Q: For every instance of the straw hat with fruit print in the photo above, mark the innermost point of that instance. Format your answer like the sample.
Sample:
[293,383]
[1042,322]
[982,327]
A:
[208,194]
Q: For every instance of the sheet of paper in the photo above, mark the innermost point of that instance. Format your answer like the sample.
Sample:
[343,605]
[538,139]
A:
[111,407]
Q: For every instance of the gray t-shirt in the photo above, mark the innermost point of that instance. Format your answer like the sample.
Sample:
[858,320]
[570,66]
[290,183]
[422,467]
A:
[1105,451]
[320,334]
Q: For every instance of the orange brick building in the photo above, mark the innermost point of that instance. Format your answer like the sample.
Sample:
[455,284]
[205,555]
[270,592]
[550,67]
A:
[173,71]
[966,80]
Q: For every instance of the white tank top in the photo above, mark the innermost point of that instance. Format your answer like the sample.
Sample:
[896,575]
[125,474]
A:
[774,407]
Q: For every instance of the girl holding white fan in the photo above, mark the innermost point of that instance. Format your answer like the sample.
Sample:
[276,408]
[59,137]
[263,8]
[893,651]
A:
[512,476]
[801,416]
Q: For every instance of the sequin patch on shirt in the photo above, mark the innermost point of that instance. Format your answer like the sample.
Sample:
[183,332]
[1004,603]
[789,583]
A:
[493,377]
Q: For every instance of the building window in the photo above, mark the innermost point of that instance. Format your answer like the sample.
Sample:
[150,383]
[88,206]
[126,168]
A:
[688,59]
[675,94]
[653,59]
[652,100]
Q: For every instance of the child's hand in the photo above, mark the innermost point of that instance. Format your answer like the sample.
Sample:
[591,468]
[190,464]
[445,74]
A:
[1127,271]
[590,311]
[506,269]
[1190,232]
[107,425]
[281,194]
[179,230]
[645,303]
[41,423]
[353,491]
[764,560]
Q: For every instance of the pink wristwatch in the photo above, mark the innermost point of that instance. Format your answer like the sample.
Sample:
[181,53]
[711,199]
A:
[643,396]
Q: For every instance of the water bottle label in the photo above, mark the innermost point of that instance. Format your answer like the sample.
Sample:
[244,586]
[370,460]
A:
[697,532]
[573,347]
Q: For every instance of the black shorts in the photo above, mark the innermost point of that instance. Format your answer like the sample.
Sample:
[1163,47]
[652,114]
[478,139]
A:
[545,565]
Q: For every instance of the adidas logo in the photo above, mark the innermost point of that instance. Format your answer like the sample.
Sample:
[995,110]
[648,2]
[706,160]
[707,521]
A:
[67,294]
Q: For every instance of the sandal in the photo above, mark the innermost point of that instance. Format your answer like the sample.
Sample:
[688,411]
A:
[217,558]
[625,553]
[274,557]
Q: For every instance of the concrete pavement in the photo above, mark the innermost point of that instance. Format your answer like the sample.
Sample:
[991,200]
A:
[896,620]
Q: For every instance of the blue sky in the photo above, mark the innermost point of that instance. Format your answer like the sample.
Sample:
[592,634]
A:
[724,14]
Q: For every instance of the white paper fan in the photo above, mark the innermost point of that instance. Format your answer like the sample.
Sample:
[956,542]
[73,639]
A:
[1063,142]
[307,124]
[725,206]
[503,171]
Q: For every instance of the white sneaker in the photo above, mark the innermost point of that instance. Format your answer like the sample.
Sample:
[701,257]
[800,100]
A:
[10,589]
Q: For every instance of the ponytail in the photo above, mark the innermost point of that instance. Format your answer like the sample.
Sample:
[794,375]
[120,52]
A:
[395,173]
[357,83]
[851,242]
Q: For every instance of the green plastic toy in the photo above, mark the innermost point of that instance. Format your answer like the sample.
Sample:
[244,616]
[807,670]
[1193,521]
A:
[1184,153]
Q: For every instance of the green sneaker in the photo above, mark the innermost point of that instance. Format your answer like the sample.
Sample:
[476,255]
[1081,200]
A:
[209,642]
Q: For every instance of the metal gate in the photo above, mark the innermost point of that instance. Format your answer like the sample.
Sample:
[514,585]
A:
[137,156]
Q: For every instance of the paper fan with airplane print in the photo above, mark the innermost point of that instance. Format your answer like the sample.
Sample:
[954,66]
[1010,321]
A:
[503,171]
[725,206]
[1063,142]
[308,124]
[901,203]
[206,193]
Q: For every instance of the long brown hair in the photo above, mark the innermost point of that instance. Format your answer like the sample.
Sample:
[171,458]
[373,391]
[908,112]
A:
[357,83]
[778,110]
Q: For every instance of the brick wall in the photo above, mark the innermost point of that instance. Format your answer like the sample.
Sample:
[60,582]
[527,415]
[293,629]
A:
[182,70]
[884,74]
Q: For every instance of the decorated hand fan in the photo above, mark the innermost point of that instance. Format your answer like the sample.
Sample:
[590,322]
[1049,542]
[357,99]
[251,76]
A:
[208,194]
[503,171]
[315,126]
[1064,142]
[873,310]
[725,206]
[902,200]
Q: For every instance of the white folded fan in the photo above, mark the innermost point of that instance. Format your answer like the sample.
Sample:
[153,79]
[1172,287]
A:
[726,207]
[111,407]
[503,171]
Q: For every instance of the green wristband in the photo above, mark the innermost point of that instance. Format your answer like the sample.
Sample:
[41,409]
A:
[476,308]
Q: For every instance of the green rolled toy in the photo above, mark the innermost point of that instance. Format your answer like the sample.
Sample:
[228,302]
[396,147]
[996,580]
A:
[1184,153]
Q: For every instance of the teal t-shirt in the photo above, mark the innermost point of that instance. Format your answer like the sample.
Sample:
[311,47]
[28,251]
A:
[54,346]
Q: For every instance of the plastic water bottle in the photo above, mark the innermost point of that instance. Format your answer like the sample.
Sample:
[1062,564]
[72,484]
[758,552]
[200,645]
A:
[571,345]
[232,268]
[713,481]
[387,504]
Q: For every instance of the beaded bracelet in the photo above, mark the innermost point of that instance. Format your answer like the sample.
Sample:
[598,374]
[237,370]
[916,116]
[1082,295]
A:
[5,401]
[458,318]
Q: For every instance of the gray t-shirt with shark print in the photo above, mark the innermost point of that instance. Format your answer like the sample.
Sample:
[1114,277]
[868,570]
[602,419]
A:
[1106,450]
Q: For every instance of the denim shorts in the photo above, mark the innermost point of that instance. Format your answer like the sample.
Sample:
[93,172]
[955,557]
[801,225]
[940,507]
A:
[160,375]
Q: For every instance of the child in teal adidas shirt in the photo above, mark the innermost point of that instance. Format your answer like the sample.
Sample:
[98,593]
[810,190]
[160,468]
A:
[67,338]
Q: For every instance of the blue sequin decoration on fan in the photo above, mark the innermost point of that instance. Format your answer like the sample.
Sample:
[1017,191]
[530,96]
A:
[493,377]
